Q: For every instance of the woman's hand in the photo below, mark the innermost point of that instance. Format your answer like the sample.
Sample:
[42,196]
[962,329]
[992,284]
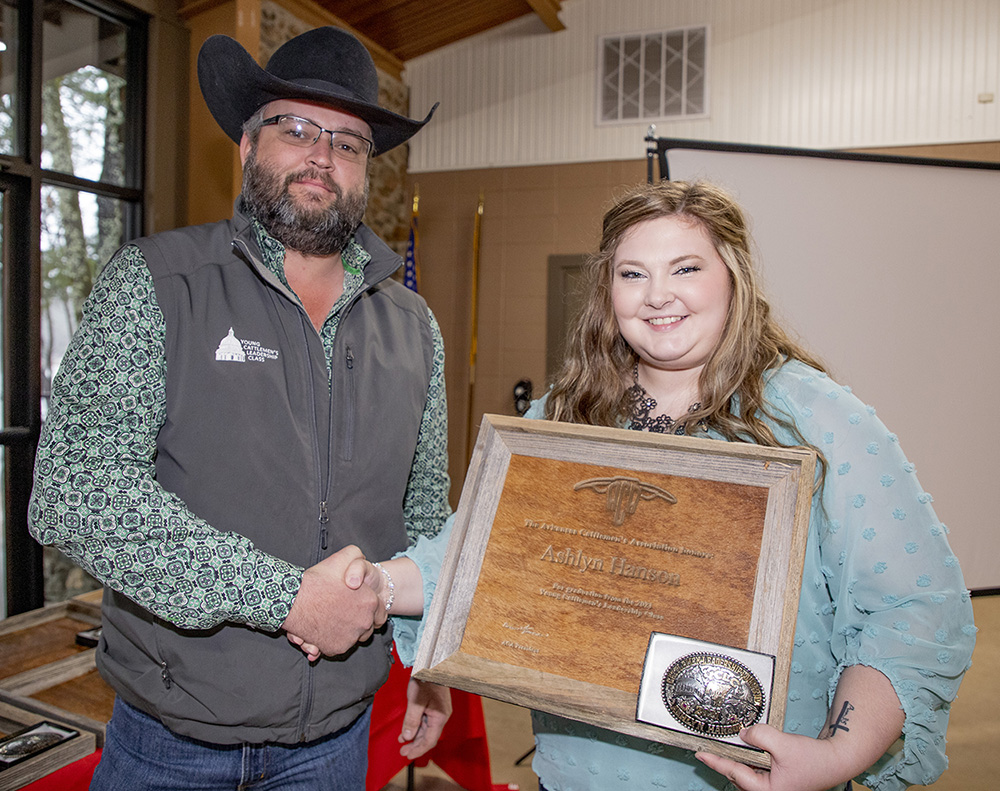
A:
[428,709]
[407,596]
[332,610]
[863,722]
[798,763]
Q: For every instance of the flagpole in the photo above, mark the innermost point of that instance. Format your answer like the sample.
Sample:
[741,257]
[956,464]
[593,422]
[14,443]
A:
[411,261]
[414,216]
[473,343]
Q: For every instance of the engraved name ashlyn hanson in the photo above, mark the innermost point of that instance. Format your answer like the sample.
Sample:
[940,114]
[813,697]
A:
[623,495]
[614,565]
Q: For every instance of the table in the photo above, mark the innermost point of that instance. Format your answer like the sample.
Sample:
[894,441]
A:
[462,753]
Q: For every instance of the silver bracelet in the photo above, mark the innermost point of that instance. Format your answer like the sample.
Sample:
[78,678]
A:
[388,581]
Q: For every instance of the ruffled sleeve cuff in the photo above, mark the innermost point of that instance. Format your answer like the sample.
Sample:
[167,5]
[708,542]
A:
[925,693]
[427,554]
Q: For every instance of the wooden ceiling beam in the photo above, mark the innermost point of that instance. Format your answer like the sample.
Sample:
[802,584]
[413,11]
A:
[312,14]
[548,10]
[410,28]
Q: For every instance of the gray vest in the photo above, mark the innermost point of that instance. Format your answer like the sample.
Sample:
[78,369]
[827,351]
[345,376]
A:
[256,442]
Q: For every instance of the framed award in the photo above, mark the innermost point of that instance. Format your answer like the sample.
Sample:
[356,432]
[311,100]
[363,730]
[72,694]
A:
[641,582]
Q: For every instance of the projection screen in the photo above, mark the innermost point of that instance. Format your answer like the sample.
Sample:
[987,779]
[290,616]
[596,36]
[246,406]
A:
[888,269]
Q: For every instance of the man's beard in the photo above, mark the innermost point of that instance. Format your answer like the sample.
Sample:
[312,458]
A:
[312,227]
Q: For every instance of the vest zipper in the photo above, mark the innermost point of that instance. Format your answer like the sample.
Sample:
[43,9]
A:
[347,449]
[324,519]
[243,248]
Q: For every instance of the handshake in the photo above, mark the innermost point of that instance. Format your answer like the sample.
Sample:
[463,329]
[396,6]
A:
[342,600]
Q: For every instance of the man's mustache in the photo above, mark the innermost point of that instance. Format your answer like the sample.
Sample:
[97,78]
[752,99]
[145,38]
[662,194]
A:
[314,175]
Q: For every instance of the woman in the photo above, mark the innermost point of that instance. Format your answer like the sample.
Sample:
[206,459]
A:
[675,336]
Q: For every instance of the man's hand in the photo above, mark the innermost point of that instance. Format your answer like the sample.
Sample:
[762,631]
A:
[362,572]
[358,572]
[428,709]
[334,610]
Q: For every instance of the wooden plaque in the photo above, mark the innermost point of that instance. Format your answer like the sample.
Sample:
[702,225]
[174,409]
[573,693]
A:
[573,544]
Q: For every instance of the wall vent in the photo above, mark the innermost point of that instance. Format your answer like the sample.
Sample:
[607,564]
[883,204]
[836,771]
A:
[653,76]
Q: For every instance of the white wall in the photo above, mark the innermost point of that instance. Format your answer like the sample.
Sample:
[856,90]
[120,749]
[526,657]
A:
[802,73]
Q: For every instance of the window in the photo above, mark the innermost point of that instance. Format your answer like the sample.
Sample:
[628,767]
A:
[653,76]
[71,132]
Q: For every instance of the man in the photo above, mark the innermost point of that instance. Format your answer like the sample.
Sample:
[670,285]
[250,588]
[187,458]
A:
[247,407]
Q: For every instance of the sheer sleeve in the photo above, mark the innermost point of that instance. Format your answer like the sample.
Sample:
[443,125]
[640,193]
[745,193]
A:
[428,554]
[896,599]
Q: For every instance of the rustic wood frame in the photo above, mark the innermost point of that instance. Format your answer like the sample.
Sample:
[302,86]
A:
[52,673]
[787,473]
[16,689]
[13,717]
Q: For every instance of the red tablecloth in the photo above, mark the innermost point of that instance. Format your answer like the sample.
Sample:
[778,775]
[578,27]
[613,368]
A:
[74,777]
[462,751]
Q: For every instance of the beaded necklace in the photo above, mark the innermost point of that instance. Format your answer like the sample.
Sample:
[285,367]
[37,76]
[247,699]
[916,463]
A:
[642,405]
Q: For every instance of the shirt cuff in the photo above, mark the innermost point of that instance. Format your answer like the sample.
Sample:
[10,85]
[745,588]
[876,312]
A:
[428,555]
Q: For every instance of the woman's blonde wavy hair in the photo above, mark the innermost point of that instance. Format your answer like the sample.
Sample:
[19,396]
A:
[593,383]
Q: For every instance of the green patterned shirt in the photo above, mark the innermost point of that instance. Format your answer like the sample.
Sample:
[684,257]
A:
[96,496]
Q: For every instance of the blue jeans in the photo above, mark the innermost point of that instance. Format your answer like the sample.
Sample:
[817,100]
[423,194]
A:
[141,754]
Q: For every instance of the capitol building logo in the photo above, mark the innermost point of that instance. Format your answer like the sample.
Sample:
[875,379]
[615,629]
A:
[230,349]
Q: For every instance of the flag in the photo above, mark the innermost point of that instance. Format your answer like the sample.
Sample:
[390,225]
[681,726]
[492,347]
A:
[411,265]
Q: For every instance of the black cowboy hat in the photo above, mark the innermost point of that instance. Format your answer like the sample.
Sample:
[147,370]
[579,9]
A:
[326,65]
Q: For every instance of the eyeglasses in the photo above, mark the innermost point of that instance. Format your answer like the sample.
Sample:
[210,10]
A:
[304,133]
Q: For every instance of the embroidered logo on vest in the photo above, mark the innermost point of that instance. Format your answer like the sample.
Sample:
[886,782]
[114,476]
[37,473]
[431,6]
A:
[232,349]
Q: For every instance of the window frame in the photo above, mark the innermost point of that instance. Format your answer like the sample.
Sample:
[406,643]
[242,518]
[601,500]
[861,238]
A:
[21,179]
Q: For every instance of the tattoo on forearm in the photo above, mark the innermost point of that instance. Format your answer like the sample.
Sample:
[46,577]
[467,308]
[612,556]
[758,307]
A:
[840,724]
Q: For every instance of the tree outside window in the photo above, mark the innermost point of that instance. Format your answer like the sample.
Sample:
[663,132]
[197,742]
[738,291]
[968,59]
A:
[87,179]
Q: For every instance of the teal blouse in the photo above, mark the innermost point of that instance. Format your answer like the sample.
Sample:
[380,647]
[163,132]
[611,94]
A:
[881,587]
